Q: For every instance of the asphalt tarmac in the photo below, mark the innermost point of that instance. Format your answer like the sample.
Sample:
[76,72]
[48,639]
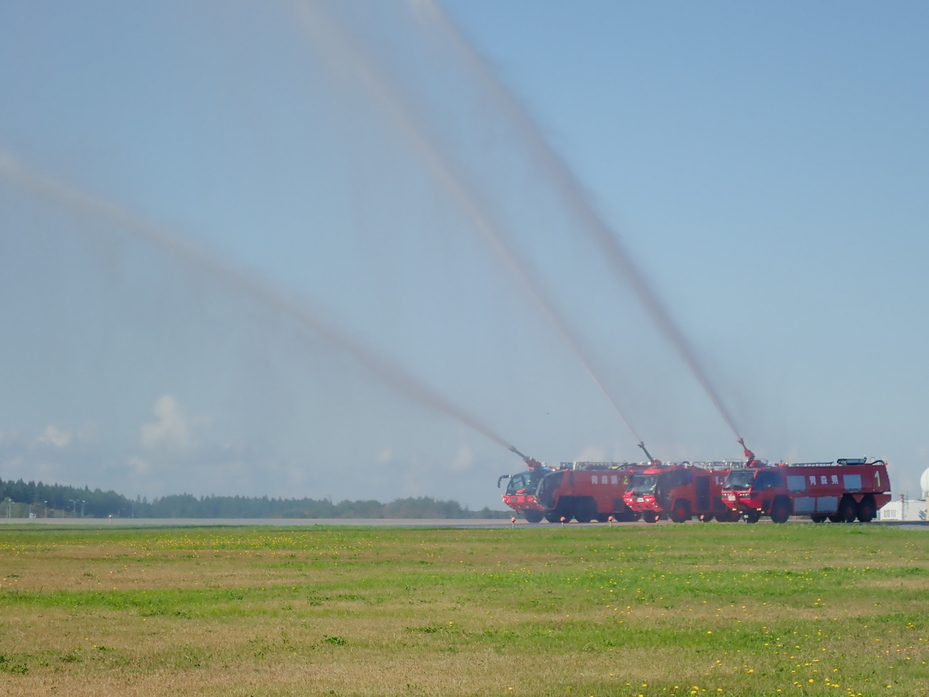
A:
[354,522]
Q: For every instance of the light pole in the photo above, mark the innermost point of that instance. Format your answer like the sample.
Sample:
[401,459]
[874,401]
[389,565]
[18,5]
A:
[82,508]
[73,506]
[46,508]
[9,507]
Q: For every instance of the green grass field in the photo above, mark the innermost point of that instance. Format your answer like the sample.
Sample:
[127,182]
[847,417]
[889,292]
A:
[715,609]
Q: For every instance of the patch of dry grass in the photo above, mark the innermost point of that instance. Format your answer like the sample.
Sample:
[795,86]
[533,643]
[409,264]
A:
[665,610]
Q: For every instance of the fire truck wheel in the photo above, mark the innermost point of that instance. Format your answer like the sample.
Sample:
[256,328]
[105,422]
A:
[818,518]
[681,511]
[650,517]
[866,510]
[780,511]
[706,517]
[752,517]
[532,516]
[585,510]
[848,510]
[552,517]
[632,516]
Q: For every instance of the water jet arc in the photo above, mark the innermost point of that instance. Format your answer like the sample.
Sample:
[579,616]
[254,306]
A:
[81,203]
[619,259]
[329,35]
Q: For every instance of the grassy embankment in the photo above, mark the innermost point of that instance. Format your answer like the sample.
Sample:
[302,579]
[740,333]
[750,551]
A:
[630,610]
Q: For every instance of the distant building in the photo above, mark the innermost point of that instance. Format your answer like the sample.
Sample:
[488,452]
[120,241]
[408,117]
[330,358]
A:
[903,509]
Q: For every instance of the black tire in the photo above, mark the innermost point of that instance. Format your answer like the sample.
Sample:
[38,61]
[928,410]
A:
[835,519]
[818,518]
[532,516]
[731,516]
[565,509]
[752,516]
[650,517]
[780,510]
[680,513]
[706,517]
[632,516]
[866,510]
[848,510]
[585,510]
[552,517]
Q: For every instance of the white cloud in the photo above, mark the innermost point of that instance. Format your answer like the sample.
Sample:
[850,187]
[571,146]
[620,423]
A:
[464,458]
[138,465]
[59,437]
[385,456]
[170,429]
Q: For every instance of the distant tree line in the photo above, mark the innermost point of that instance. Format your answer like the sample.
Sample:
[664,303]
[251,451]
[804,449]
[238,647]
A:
[66,501]
[59,499]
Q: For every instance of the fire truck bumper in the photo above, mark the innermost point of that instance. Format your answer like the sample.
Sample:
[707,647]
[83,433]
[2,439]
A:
[640,504]
[740,504]
[523,503]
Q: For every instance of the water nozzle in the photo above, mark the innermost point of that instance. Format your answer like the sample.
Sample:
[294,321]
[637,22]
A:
[651,460]
[530,461]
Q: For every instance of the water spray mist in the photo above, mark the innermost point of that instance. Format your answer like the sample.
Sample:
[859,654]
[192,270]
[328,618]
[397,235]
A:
[433,18]
[344,49]
[81,203]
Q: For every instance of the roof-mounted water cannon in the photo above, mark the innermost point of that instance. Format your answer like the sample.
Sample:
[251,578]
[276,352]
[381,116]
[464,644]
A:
[652,461]
[531,462]
[750,460]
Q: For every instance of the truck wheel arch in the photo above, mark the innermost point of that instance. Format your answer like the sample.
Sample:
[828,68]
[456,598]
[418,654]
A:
[781,509]
[680,511]
[848,509]
[866,509]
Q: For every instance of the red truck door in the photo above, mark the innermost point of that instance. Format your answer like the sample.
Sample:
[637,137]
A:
[702,491]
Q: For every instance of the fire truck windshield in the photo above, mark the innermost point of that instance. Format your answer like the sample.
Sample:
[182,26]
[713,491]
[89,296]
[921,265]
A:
[644,484]
[739,480]
[524,482]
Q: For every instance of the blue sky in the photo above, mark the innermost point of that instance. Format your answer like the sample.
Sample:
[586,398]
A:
[763,164]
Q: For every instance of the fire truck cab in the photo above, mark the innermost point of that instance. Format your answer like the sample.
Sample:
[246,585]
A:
[520,494]
[680,491]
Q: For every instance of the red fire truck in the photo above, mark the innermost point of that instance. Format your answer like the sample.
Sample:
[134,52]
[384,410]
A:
[681,491]
[583,491]
[520,494]
[842,491]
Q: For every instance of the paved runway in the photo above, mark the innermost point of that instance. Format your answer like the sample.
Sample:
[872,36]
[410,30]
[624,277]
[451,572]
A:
[269,522]
[356,522]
